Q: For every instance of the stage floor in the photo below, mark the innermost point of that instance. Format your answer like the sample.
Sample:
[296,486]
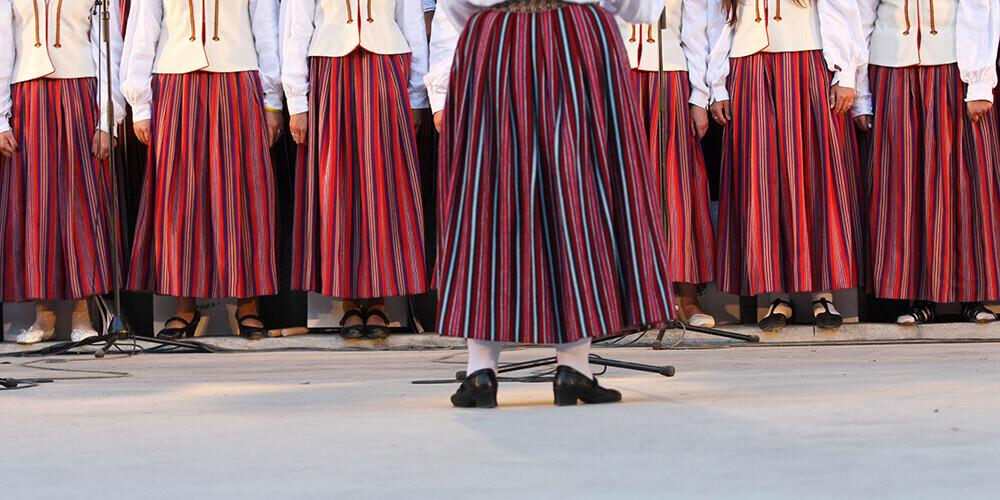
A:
[871,421]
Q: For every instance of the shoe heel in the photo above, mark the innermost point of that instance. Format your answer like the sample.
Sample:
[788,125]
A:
[566,398]
[486,400]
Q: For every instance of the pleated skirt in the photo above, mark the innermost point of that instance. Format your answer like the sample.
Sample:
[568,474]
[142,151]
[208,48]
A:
[684,185]
[206,225]
[56,206]
[789,211]
[549,229]
[933,189]
[358,230]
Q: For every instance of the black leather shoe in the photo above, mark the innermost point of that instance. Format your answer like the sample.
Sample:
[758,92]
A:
[774,320]
[353,331]
[571,385]
[376,331]
[251,332]
[827,320]
[188,330]
[479,390]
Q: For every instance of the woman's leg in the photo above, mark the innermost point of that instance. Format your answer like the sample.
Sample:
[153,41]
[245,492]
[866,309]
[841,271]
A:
[827,316]
[83,327]
[185,309]
[483,354]
[575,355]
[687,299]
[248,307]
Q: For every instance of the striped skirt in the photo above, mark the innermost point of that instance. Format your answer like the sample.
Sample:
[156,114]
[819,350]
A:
[684,185]
[549,230]
[789,206]
[206,223]
[358,217]
[56,205]
[933,189]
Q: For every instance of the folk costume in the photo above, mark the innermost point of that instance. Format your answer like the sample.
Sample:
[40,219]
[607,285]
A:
[56,216]
[684,188]
[934,173]
[358,70]
[549,231]
[789,217]
[203,73]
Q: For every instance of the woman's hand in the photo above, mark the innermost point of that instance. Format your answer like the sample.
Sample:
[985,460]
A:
[438,119]
[143,131]
[418,119]
[841,99]
[299,125]
[863,122]
[978,108]
[274,121]
[699,121]
[100,145]
[8,144]
[722,112]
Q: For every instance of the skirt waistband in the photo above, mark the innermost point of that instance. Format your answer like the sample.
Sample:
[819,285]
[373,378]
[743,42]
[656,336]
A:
[528,6]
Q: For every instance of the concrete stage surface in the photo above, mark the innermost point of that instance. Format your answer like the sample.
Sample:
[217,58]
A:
[844,422]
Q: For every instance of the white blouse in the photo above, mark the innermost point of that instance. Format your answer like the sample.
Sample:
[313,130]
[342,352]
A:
[451,16]
[695,37]
[297,33]
[97,49]
[977,35]
[143,34]
[840,32]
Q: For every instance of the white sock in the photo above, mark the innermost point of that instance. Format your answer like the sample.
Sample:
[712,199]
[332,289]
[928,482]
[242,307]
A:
[575,355]
[483,354]
[782,308]
[818,308]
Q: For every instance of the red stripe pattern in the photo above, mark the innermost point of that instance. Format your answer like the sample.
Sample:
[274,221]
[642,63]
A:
[684,190]
[358,214]
[207,213]
[550,230]
[789,216]
[55,197]
[934,189]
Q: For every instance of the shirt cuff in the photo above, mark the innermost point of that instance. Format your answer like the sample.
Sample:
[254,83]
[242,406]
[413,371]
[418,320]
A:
[862,106]
[4,124]
[845,78]
[719,93]
[298,104]
[699,98]
[141,112]
[979,92]
[437,101]
[273,101]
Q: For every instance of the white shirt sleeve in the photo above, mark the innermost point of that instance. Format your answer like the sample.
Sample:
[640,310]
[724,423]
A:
[444,39]
[429,5]
[6,61]
[862,89]
[635,11]
[100,55]
[141,37]
[976,37]
[410,19]
[694,37]
[298,31]
[718,59]
[840,30]
[264,25]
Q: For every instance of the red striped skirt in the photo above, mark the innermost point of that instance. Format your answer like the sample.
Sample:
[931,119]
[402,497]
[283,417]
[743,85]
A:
[684,187]
[549,230]
[56,200]
[358,215]
[206,223]
[934,189]
[789,206]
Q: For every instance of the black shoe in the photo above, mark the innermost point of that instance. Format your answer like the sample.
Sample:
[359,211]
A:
[251,332]
[570,385]
[775,321]
[188,330]
[921,312]
[827,320]
[376,331]
[353,331]
[972,310]
[479,390]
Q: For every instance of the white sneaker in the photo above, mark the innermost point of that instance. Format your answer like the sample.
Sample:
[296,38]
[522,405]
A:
[34,335]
